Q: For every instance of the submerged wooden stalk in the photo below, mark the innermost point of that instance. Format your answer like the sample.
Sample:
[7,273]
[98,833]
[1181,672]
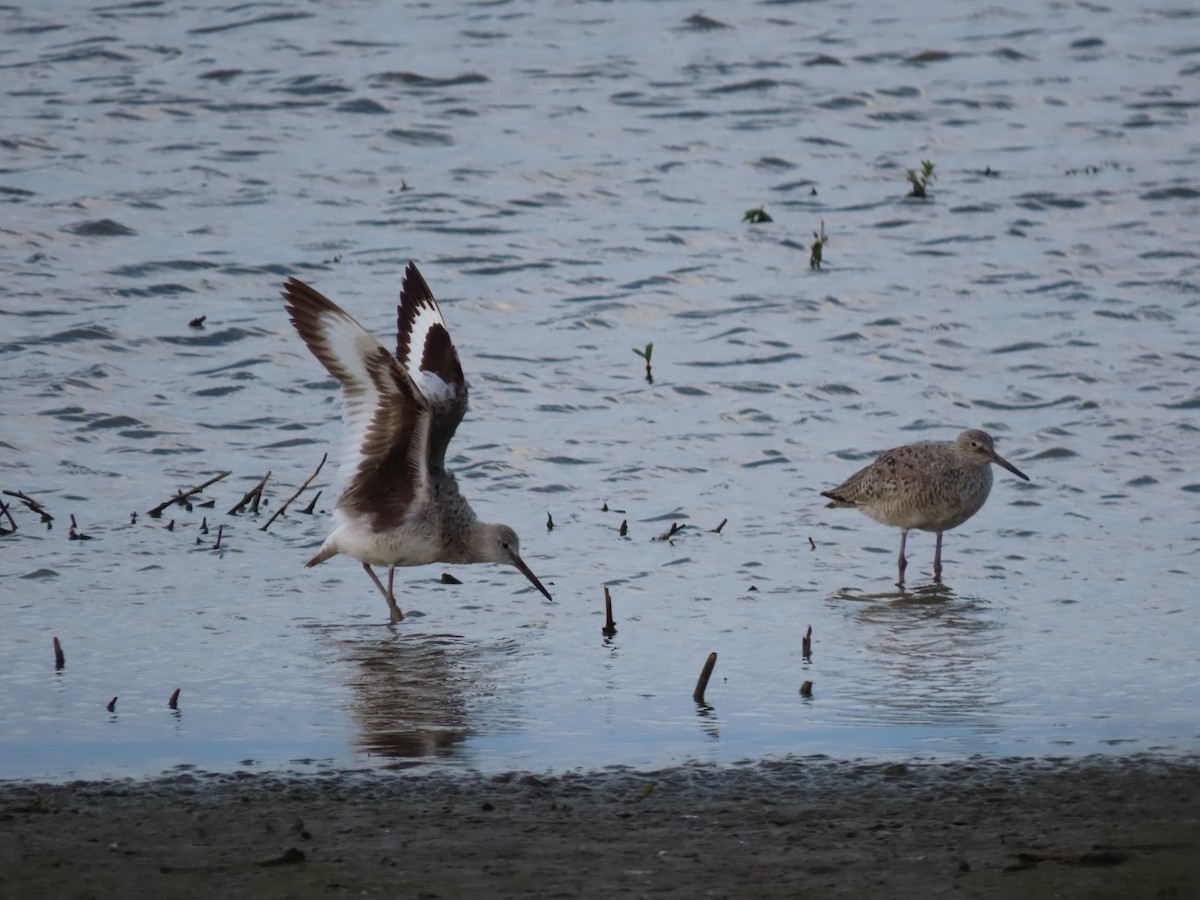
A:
[806,644]
[60,658]
[173,703]
[251,495]
[610,627]
[705,674]
[286,503]
[182,496]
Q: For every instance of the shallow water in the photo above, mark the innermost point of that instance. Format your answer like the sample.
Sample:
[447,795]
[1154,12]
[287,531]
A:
[571,178]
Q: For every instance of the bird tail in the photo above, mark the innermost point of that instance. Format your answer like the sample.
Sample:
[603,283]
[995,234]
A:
[837,502]
[328,549]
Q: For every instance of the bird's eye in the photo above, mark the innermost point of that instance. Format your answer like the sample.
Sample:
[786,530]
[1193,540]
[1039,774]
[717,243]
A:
[504,544]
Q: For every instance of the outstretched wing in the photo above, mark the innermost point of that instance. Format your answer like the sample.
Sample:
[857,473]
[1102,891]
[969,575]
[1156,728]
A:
[386,418]
[428,356]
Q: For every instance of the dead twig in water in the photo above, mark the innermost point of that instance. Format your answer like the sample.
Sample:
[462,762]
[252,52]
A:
[806,690]
[610,627]
[549,522]
[255,493]
[312,504]
[667,535]
[7,515]
[717,530]
[275,515]
[173,703]
[806,644]
[112,705]
[33,505]
[812,545]
[705,674]
[74,535]
[182,496]
[624,527]
[220,529]
[60,658]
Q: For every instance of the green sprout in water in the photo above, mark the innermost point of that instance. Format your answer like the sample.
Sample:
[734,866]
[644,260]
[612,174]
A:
[814,259]
[756,216]
[645,354]
[921,180]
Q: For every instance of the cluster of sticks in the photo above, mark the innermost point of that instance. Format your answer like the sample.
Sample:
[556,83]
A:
[251,500]
[610,628]
[60,662]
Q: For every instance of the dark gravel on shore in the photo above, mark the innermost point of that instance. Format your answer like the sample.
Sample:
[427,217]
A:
[1092,827]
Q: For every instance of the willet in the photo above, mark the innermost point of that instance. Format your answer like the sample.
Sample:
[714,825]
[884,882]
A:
[400,505]
[933,486]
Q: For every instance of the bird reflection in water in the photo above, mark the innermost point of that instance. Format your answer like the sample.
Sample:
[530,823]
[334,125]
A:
[415,696]
[939,655]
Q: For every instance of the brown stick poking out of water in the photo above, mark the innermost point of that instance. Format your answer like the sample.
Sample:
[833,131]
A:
[286,503]
[173,703]
[254,494]
[705,674]
[7,515]
[806,644]
[34,506]
[217,545]
[181,497]
[610,627]
[806,689]
[112,705]
[624,527]
[60,659]
[717,530]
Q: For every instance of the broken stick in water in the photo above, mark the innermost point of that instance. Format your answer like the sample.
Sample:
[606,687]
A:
[251,495]
[806,644]
[717,530]
[7,515]
[217,545]
[77,535]
[182,496]
[60,658]
[34,506]
[610,627]
[275,515]
[173,703]
[112,705]
[705,674]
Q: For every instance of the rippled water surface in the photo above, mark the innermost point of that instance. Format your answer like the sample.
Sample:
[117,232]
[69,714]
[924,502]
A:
[572,179]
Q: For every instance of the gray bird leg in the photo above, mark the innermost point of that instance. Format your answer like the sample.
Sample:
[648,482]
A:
[937,560]
[396,615]
[902,562]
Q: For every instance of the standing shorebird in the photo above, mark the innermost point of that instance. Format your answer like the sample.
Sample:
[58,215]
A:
[400,505]
[933,486]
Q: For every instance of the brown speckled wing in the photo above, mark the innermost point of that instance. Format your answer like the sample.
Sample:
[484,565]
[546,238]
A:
[387,421]
[428,356]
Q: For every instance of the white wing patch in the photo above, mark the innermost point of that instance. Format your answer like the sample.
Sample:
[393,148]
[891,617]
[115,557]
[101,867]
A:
[432,387]
[348,345]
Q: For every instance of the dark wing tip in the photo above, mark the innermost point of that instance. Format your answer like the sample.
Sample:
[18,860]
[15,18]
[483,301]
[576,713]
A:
[414,287]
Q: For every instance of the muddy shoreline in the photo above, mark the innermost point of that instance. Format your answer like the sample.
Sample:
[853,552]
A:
[1097,826]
